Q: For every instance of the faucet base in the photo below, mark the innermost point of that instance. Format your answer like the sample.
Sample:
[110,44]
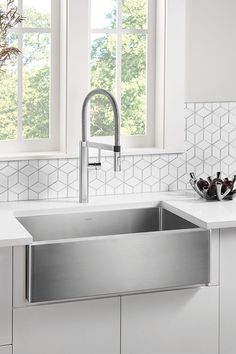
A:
[83,173]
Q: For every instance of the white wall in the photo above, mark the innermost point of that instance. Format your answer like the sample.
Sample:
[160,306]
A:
[211,51]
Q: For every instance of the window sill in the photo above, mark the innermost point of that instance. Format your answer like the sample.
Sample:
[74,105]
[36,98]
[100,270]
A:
[33,156]
[93,153]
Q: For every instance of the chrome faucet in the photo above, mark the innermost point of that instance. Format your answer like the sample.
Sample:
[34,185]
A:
[85,144]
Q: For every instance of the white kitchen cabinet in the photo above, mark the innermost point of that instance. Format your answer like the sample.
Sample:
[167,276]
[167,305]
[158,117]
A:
[227,291]
[19,277]
[174,322]
[210,51]
[6,350]
[5,296]
[86,327]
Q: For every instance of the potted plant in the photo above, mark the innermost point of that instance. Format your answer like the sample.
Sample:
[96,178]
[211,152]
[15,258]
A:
[9,18]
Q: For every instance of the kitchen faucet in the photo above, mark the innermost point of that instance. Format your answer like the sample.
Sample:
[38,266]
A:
[85,144]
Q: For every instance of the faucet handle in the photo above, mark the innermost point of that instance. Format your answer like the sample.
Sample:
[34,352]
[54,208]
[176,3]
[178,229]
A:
[94,166]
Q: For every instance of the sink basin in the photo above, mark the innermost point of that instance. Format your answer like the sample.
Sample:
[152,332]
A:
[105,253]
[102,223]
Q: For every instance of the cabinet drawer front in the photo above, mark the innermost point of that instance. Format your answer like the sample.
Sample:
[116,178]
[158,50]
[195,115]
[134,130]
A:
[103,266]
[5,296]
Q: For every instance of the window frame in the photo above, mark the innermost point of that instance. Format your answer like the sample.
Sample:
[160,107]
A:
[72,38]
[168,82]
[148,139]
[170,75]
[53,143]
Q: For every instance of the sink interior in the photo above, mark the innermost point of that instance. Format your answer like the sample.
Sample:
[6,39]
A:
[101,223]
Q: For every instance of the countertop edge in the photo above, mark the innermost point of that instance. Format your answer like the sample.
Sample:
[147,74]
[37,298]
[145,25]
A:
[183,204]
[185,215]
[15,242]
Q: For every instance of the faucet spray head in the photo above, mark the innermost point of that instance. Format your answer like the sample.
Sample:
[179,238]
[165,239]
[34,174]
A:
[117,161]
[117,158]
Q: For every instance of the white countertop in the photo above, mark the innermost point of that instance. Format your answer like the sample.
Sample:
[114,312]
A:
[206,214]
[210,215]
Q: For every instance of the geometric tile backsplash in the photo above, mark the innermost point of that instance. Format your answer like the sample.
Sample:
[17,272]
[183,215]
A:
[210,147]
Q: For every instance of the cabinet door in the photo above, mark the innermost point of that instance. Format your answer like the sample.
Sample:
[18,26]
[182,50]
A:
[210,29]
[86,327]
[227,291]
[174,322]
[6,350]
[5,296]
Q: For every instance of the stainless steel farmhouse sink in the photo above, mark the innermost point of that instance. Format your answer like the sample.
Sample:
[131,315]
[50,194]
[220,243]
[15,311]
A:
[105,253]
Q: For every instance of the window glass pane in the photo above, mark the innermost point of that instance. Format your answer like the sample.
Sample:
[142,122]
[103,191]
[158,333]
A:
[8,96]
[103,13]
[103,75]
[36,85]
[134,14]
[133,101]
[37,13]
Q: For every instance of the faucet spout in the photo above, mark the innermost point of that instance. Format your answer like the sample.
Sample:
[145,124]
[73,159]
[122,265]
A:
[85,144]
[115,108]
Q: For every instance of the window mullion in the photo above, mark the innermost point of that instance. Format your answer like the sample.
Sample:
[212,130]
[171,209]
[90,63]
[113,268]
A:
[36,30]
[89,60]
[114,31]
[119,53]
[20,76]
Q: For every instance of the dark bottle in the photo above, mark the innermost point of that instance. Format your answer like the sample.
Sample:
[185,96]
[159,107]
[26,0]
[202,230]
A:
[209,179]
[227,184]
[218,178]
[202,184]
[234,180]
[212,188]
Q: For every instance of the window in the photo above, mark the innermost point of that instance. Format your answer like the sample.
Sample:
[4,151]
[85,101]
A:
[135,49]
[29,88]
[122,42]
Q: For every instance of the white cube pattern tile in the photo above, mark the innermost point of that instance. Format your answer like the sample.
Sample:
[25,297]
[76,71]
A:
[210,147]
